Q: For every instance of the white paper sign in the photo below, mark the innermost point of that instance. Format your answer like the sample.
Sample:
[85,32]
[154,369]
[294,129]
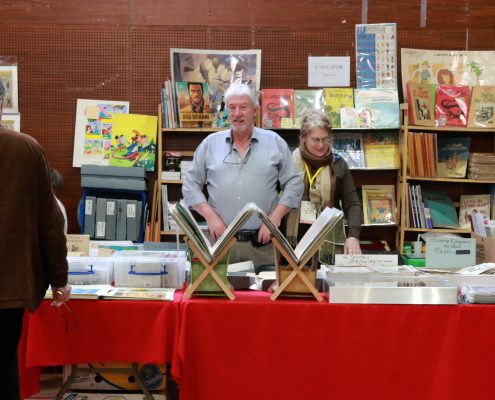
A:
[363,260]
[450,252]
[329,71]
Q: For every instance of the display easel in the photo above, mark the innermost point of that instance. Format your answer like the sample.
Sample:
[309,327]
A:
[209,269]
[297,271]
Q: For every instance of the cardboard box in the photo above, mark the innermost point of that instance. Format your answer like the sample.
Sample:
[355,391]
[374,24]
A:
[485,248]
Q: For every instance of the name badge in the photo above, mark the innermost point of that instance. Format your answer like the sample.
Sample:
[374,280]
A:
[308,212]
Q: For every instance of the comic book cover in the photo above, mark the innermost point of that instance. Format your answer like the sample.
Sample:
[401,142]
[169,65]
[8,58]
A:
[305,100]
[277,108]
[336,99]
[482,108]
[451,105]
[421,103]
[381,150]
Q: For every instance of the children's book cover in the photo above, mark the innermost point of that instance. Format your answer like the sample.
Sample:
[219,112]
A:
[306,100]
[133,142]
[94,130]
[472,203]
[482,108]
[443,212]
[381,150]
[349,146]
[377,108]
[451,105]
[336,99]
[421,101]
[277,108]
[379,204]
[453,153]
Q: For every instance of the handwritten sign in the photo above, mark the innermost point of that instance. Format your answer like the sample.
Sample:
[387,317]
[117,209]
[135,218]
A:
[450,252]
[329,71]
[366,260]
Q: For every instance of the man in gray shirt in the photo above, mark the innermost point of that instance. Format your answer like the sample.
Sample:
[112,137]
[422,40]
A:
[240,165]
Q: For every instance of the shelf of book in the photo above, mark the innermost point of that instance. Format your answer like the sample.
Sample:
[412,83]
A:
[430,156]
[455,180]
[171,182]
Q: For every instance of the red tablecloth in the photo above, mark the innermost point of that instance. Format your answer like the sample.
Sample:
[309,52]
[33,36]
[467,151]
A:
[253,348]
[106,330]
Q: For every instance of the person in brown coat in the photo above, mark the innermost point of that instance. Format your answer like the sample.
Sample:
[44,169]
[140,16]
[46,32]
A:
[32,244]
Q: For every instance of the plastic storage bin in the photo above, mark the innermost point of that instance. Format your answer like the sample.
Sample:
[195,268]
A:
[145,272]
[90,270]
[175,264]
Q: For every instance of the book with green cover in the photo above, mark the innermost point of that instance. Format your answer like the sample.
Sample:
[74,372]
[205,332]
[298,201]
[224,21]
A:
[305,100]
[337,98]
[443,213]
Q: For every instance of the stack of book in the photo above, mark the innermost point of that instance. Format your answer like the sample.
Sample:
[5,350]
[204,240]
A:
[481,166]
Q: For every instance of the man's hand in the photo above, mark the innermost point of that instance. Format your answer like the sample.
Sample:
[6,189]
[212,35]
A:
[215,225]
[264,235]
[351,246]
[60,295]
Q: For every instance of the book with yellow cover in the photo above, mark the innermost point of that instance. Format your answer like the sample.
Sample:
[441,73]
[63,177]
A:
[379,204]
[337,98]
[482,110]
[381,150]
[78,244]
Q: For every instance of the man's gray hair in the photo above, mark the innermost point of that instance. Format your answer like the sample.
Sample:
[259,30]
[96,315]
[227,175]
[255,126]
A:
[240,89]
[3,91]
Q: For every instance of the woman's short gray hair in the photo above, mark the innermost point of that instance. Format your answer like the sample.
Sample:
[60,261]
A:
[312,119]
[240,89]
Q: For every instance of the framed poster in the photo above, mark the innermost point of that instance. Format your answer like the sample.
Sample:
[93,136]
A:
[12,121]
[8,76]
[218,68]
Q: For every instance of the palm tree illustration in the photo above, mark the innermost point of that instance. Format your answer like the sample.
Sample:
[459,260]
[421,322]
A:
[476,69]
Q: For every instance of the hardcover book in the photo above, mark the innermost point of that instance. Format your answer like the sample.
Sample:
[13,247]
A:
[377,108]
[421,102]
[473,203]
[194,106]
[277,108]
[379,204]
[349,118]
[381,150]
[306,100]
[336,99]
[482,108]
[453,155]
[442,210]
[451,105]
[349,146]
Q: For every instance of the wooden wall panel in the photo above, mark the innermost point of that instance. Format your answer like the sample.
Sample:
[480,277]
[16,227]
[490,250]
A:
[120,50]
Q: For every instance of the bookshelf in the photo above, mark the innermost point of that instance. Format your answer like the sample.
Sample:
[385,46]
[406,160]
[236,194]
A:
[482,140]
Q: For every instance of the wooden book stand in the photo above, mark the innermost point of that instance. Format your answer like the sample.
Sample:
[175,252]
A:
[209,269]
[297,271]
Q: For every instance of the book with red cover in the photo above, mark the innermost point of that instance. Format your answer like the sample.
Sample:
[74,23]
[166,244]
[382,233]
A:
[451,105]
[277,108]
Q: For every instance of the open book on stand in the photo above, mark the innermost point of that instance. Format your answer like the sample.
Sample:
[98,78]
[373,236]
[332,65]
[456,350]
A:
[311,240]
[184,218]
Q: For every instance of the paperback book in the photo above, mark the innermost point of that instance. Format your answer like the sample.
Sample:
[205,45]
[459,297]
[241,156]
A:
[306,100]
[421,102]
[451,105]
[381,150]
[349,146]
[482,108]
[379,204]
[377,108]
[473,203]
[442,210]
[194,107]
[453,153]
[336,99]
[277,108]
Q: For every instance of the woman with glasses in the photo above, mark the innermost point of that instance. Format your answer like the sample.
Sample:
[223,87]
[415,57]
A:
[327,183]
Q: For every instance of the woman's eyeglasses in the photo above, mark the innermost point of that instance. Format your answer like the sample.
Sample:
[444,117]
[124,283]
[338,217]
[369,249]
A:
[323,140]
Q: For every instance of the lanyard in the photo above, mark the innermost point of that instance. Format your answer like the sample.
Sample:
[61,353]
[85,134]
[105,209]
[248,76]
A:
[312,178]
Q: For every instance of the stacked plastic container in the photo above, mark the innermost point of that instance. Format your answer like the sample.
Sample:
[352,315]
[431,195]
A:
[90,270]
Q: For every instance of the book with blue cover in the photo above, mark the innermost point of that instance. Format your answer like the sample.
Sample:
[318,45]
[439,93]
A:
[453,153]
[377,108]
[443,212]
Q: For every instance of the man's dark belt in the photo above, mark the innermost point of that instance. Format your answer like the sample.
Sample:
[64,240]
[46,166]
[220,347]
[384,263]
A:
[245,235]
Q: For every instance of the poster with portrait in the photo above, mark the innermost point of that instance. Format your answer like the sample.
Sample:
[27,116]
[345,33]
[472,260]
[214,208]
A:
[445,67]
[11,121]
[218,68]
[93,131]
[8,76]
